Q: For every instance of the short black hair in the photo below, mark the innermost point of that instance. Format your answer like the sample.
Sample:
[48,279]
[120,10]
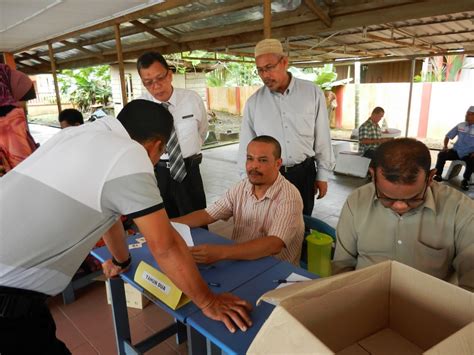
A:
[401,160]
[72,116]
[378,109]
[148,58]
[146,120]
[270,140]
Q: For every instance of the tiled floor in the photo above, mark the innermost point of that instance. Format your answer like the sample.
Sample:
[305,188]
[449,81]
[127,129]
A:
[86,325]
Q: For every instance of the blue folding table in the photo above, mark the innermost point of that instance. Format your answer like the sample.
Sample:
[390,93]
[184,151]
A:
[215,339]
[230,274]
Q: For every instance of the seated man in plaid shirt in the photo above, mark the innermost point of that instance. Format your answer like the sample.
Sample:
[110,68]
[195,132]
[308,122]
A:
[370,134]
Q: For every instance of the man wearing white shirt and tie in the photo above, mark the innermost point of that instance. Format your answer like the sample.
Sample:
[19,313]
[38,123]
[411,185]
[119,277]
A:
[178,174]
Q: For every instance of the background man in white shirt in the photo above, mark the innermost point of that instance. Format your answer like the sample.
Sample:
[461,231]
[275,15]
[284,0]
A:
[293,111]
[182,193]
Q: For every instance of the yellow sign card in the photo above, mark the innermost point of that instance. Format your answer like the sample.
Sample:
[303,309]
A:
[160,286]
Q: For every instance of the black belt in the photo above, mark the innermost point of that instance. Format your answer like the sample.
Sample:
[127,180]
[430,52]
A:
[190,162]
[18,303]
[305,163]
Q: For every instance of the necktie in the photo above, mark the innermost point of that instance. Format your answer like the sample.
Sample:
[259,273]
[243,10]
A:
[177,167]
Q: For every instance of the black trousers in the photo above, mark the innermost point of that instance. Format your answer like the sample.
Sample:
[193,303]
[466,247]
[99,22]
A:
[184,197]
[303,176]
[29,332]
[451,154]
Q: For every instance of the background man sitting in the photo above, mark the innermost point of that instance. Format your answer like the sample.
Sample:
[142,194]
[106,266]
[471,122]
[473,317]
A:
[370,134]
[463,149]
[70,117]
[405,216]
[267,211]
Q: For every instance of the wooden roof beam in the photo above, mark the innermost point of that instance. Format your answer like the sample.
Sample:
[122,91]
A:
[168,21]
[153,32]
[35,57]
[24,65]
[82,49]
[318,11]
[335,51]
[400,43]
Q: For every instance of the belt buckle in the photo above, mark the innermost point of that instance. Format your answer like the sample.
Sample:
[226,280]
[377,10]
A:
[168,165]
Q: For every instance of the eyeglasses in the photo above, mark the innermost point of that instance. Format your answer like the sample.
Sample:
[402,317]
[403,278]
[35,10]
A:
[411,202]
[268,68]
[156,80]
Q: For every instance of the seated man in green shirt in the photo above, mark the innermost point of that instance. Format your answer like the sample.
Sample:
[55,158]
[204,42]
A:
[406,216]
[370,134]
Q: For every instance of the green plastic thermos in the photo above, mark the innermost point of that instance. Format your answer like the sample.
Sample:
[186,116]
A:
[319,253]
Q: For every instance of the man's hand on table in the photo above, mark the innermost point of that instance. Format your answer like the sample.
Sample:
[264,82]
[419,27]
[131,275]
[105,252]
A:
[112,270]
[206,253]
[231,310]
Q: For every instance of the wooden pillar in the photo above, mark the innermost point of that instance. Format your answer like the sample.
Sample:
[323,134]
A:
[55,78]
[425,110]
[357,93]
[118,44]
[9,60]
[267,18]
[340,105]
[412,74]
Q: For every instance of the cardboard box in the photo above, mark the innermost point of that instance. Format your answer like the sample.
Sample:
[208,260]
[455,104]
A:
[134,298]
[388,308]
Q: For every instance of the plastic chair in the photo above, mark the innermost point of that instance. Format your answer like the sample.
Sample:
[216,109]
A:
[320,226]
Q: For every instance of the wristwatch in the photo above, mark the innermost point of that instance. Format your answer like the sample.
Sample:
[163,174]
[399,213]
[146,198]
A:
[123,264]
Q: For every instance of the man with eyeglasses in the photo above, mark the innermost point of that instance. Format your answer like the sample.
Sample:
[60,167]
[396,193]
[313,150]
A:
[178,175]
[293,111]
[406,216]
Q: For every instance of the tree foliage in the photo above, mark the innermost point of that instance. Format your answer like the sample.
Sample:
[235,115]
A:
[439,69]
[86,86]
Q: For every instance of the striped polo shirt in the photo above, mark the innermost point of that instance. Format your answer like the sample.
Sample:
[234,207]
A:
[278,213]
[56,204]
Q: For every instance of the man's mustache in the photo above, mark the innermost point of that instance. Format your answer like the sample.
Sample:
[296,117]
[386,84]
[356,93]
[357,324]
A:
[254,172]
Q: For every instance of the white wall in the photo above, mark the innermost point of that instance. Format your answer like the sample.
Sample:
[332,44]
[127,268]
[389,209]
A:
[448,105]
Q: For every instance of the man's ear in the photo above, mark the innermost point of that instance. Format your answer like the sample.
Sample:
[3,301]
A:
[430,176]
[279,162]
[372,173]
[154,149]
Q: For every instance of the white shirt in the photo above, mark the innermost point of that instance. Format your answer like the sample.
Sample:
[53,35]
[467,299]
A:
[56,204]
[298,119]
[190,120]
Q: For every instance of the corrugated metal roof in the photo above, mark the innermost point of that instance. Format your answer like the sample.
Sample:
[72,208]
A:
[363,28]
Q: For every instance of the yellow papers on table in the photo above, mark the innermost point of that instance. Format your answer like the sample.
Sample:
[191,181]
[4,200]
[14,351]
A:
[160,286]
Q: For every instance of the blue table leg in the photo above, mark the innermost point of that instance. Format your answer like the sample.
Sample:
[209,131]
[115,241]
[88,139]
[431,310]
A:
[196,342]
[120,315]
[212,349]
[181,336]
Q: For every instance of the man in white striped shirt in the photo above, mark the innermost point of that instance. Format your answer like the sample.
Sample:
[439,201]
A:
[267,211]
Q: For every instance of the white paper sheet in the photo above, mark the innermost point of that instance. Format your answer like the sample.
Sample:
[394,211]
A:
[292,278]
[185,232]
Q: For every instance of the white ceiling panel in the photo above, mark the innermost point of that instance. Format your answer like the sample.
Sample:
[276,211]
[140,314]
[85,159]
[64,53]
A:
[23,22]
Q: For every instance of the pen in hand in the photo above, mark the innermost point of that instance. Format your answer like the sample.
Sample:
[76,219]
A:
[282,281]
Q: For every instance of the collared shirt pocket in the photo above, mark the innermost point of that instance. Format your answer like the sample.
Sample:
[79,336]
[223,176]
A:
[433,261]
[304,126]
